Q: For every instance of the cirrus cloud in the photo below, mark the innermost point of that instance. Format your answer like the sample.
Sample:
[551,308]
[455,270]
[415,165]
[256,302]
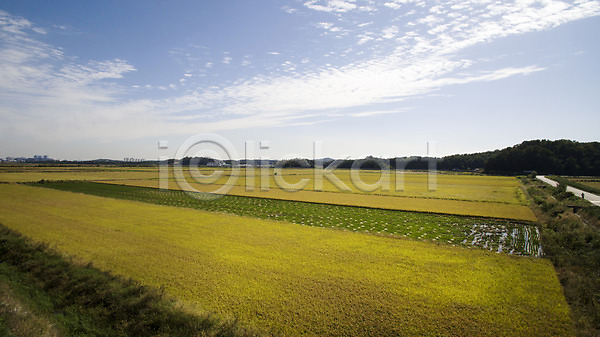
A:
[42,89]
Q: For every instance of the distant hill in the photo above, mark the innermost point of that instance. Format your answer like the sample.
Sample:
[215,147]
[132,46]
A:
[563,157]
[466,162]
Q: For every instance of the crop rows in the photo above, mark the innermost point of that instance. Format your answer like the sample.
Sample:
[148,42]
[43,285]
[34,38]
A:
[294,280]
[494,235]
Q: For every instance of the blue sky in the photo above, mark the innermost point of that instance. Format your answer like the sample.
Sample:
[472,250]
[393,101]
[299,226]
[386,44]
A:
[109,79]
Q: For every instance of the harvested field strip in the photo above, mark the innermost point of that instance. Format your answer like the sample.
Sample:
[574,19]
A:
[494,235]
[297,280]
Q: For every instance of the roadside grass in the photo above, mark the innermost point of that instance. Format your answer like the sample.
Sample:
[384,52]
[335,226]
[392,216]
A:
[572,243]
[46,294]
[591,185]
[494,235]
[591,182]
[296,280]
[18,316]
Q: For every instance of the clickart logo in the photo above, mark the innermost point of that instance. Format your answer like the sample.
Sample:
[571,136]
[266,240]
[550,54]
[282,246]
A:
[207,166]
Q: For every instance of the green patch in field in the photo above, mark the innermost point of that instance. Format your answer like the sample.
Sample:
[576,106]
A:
[494,235]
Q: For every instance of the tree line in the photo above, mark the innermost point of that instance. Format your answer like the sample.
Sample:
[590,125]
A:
[559,157]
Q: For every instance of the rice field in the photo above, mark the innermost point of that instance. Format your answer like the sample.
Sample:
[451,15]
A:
[298,280]
[485,196]
[408,184]
[13,174]
[431,205]
[494,235]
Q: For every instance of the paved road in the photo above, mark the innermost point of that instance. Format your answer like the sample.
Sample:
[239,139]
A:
[594,199]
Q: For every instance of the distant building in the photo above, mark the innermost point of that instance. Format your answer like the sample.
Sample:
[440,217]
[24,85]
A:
[39,158]
[215,163]
[34,159]
[134,160]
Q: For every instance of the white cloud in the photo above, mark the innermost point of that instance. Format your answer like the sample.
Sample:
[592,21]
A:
[30,78]
[489,75]
[94,70]
[86,100]
[367,9]
[371,113]
[437,9]
[397,4]
[325,25]
[430,20]
[338,6]
[390,32]
[331,28]
[39,30]
[393,5]
[364,38]
[437,30]
[289,9]
[421,68]
[13,24]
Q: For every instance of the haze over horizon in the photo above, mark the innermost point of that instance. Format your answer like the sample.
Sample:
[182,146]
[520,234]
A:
[83,80]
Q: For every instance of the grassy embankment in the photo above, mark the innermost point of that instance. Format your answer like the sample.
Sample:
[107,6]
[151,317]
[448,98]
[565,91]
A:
[572,242]
[43,293]
[591,185]
[297,279]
